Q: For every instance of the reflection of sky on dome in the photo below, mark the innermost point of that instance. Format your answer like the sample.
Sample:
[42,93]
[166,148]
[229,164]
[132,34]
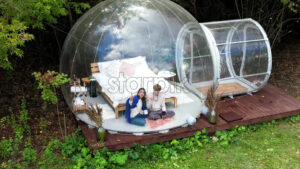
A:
[119,29]
[139,35]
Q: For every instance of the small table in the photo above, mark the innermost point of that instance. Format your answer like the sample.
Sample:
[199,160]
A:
[167,75]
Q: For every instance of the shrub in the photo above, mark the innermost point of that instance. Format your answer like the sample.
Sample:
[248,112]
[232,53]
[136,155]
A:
[118,158]
[48,82]
[6,148]
[29,154]
[72,145]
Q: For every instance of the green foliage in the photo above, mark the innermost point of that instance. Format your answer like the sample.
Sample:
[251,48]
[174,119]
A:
[17,16]
[3,122]
[85,159]
[12,37]
[74,148]
[3,165]
[18,131]
[298,97]
[9,148]
[294,119]
[48,82]
[99,161]
[19,126]
[34,12]
[43,124]
[226,137]
[49,158]
[118,158]
[79,7]
[73,145]
[161,151]
[293,5]
[6,148]
[29,154]
[24,116]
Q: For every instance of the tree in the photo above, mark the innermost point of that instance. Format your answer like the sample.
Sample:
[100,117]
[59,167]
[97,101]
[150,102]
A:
[293,5]
[12,37]
[18,16]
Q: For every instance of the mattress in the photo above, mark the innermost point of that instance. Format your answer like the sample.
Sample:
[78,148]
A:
[120,79]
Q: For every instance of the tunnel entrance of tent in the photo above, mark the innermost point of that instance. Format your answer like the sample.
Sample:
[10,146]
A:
[195,65]
[234,56]
[244,55]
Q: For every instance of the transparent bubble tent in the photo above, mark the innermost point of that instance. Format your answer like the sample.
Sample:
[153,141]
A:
[160,39]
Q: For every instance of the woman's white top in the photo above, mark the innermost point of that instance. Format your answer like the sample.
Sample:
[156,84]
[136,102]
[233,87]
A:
[138,109]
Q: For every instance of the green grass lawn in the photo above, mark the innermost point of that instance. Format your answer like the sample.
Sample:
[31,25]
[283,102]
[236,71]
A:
[271,146]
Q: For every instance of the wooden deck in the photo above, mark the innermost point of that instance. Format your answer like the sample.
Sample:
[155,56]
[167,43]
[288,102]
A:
[268,104]
[226,88]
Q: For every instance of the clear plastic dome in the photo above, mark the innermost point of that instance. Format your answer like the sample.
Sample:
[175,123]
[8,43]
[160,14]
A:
[122,29]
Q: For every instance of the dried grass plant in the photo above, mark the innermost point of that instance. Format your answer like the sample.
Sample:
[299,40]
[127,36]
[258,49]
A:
[95,114]
[212,98]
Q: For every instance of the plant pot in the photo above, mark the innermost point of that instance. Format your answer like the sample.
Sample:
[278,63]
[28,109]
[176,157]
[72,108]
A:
[101,135]
[212,117]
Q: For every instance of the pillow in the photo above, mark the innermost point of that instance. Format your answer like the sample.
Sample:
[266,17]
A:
[128,69]
[105,64]
[135,60]
[128,66]
[110,68]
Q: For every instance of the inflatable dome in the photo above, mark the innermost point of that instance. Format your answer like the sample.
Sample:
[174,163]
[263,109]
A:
[124,45]
[120,29]
[120,46]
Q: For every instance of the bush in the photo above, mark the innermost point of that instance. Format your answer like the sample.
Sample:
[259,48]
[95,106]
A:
[118,158]
[73,145]
[49,158]
[48,82]
[6,148]
[29,156]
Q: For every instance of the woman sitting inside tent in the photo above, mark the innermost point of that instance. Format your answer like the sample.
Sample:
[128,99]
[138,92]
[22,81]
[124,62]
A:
[136,110]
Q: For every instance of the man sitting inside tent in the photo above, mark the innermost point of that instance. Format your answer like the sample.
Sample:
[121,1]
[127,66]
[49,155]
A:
[156,105]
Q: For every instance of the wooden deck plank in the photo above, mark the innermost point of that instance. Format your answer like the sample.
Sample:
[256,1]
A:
[226,88]
[268,104]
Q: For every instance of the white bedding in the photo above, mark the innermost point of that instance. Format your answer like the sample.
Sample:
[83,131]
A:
[121,78]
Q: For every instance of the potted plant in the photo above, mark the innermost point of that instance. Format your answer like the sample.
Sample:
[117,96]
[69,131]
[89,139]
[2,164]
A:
[95,114]
[212,102]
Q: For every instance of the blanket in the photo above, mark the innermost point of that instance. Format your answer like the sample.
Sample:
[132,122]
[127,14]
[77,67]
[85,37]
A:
[152,124]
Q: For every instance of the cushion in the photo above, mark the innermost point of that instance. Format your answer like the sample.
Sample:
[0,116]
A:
[129,66]
[128,69]
[110,68]
[135,61]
